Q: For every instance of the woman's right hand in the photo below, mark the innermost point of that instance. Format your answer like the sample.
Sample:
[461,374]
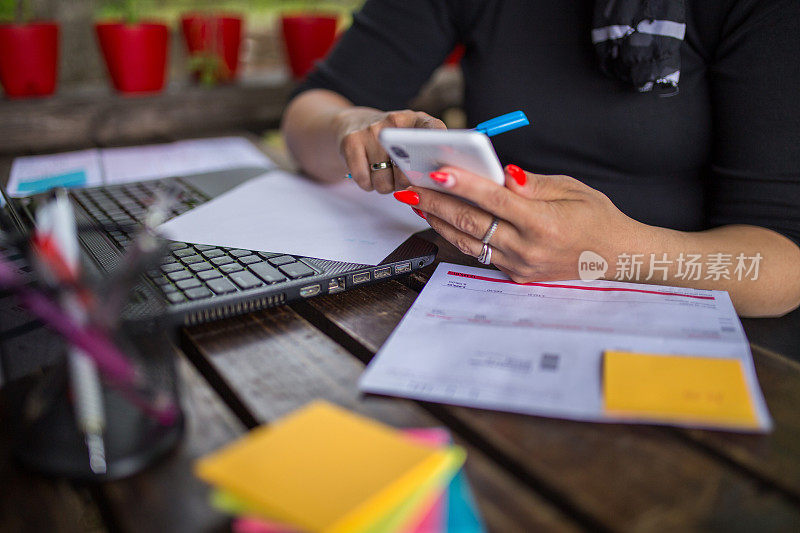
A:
[358,129]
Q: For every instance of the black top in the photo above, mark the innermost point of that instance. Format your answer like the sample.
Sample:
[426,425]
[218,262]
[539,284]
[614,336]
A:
[725,150]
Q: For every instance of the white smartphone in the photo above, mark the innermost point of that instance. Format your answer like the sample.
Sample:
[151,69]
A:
[418,152]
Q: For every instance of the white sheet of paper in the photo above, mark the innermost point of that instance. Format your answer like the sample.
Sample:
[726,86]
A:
[474,338]
[91,168]
[34,174]
[283,212]
[196,156]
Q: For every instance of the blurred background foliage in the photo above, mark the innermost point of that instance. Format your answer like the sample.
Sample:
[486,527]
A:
[257,11]
[262,56]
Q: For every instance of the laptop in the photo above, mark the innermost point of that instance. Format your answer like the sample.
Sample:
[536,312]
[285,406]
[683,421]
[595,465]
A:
[201,283]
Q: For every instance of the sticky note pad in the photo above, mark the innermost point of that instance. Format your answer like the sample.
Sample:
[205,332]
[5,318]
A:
[323,468]
[45,183]
[677,388]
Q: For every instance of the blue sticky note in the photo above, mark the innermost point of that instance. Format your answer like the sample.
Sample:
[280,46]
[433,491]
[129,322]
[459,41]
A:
[462,513]
[68,179]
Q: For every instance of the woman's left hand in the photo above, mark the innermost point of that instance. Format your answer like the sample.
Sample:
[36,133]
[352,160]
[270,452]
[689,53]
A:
[545,222]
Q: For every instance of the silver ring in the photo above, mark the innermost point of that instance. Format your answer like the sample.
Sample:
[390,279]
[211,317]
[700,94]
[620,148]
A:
[383,165]
[490,231]
[486,255]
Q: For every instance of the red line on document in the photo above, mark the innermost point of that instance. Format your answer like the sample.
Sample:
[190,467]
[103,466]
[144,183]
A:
[561,286]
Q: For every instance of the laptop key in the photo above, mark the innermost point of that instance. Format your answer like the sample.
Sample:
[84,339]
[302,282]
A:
[199,267]
[169,288]
[198,293]
[237,252]
[208,274]
[211,254]
[296,270]
[267,273]
[183,252]
[231,267]
[281,260]
[188,260]
[188,283]
[248,259]
[203,247]
[245,280]
[171,267]
[179,275]
[221,286]
[221,260]
[177,245]
[160,280]
[176,297]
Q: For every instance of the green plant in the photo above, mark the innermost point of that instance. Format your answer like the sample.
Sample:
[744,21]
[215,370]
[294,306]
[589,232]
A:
[18,11]
[210,68]
[130,12]
[127,10]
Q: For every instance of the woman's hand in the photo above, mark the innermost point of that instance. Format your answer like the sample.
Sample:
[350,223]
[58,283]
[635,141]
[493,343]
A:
[357,137]
[545,222]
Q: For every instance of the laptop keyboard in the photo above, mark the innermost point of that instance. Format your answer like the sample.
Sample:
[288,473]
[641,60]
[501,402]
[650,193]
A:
[191,271]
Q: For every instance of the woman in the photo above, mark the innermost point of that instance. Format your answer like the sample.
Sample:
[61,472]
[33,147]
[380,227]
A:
[688,174]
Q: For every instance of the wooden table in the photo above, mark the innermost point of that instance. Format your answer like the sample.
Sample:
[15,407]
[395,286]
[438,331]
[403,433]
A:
[528,473]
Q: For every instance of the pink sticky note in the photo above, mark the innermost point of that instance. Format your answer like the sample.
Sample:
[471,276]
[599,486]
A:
[247,524]
[433,519]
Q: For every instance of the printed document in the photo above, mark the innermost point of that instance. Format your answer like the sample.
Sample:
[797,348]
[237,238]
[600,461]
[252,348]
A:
[283,212]
[475,338]
[111,166]
[35,174]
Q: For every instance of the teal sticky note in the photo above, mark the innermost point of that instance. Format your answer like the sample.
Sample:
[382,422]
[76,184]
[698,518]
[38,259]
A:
[462,512]
[68,179]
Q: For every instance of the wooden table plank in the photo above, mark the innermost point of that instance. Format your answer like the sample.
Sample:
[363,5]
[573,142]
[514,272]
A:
[624,476]
[774,458]
[29,502]
[167,496]
[277,362]
[777,456]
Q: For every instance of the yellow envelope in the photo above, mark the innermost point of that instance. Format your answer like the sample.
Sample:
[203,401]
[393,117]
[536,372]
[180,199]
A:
[677,388]
[323,468]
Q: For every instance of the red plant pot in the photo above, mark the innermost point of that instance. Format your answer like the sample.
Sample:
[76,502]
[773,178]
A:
[135,54]
[218,35]
[308,38]
[28,59]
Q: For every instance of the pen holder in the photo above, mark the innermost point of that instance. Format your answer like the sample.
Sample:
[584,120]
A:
[140,426]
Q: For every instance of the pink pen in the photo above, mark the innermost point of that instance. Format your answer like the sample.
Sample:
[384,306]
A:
[110,361]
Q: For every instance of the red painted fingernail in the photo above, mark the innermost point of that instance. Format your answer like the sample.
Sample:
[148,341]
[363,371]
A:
[518,174]
[444,179]
[407,197]
[419,213]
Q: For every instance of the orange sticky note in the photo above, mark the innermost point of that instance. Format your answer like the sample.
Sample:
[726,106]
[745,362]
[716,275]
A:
[677,389]
[323,468]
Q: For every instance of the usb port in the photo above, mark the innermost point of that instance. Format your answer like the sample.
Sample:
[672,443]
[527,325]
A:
[311,290]
[335,285]
[360,278]
[402,267]
[384,272]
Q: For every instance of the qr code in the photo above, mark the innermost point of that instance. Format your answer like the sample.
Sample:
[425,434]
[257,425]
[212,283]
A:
[549,362]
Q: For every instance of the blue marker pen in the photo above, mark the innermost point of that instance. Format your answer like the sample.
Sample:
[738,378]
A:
[497,125]
[503,123]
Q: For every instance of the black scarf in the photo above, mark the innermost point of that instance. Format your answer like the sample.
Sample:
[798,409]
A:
[639,41]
